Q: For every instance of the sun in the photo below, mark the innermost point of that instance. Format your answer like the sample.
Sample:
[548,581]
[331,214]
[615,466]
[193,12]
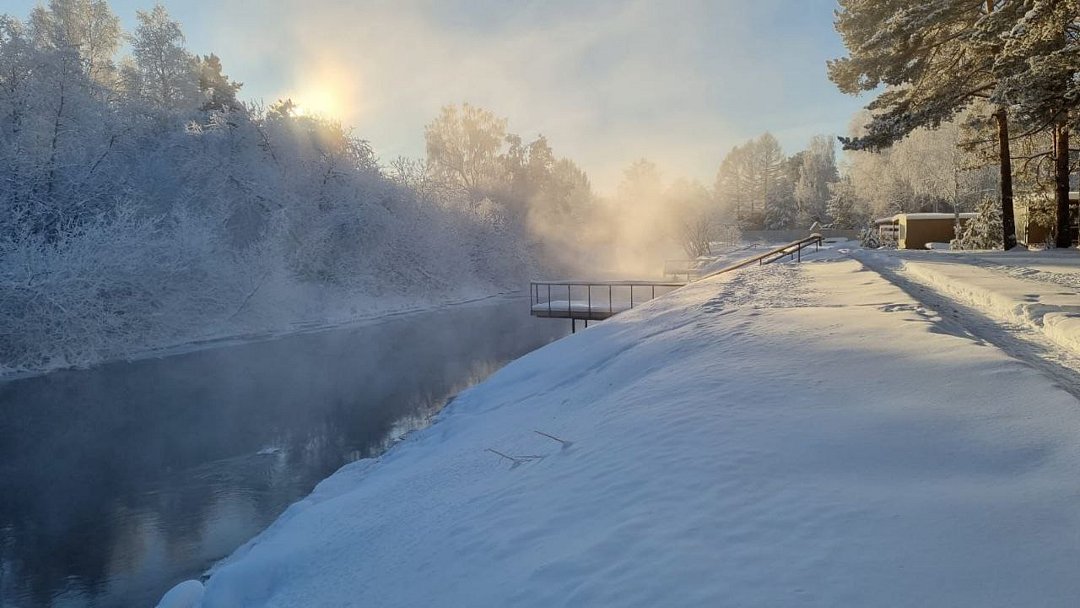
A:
[321,101]
[326,90]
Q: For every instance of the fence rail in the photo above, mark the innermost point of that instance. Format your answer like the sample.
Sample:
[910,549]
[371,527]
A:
[792,250]
[599,300]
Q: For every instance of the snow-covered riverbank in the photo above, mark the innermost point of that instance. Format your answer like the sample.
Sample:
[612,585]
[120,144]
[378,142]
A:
[805,434]
[358,315]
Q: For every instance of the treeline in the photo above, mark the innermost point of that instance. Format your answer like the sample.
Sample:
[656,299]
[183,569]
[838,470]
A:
[761,188]
[1006,71]
[143,204]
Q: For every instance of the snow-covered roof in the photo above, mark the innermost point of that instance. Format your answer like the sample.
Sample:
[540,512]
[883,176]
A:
[922,216]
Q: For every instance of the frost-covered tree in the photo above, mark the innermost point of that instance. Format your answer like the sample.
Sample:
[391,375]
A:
[816,172]
[88,28]
[754,186]
[159,208]
[732,186]
[982,231]
[1038,70]
[769,180]
[464,146]
[693,216]
[165,74]
[844,209]
[218,90]
[929,170]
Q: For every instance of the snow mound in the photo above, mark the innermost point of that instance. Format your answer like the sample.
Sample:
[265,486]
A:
[185,595]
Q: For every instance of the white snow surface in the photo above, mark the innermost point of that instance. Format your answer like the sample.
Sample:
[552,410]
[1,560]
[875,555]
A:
[785,435]
[1040,290]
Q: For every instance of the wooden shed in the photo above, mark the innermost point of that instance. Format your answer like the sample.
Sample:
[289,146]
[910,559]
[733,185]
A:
[915,230]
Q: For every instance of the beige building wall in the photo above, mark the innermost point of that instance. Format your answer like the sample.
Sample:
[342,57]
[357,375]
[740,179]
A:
[915,233]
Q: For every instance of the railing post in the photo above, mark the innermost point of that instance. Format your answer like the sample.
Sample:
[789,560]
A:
[589,314]
[549,299]
[631,295]
[569,303]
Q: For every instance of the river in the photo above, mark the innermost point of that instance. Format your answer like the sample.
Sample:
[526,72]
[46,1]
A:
[119,481]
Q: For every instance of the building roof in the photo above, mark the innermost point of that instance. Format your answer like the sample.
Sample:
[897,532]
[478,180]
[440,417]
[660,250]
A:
[893,219]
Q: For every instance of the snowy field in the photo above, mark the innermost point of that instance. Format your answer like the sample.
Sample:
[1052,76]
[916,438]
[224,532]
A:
[788,435]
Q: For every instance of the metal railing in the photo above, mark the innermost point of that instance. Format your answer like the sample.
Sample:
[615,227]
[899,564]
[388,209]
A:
[593,300]
[792,250]
[674,268]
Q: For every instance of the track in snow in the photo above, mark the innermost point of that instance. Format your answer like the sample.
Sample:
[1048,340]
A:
[1017,341]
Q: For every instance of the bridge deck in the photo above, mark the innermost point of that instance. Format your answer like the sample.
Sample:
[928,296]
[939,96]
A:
[592,300]
[562,309]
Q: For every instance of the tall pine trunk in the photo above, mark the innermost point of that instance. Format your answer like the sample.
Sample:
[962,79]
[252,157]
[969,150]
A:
[1061,183]
[1008,221]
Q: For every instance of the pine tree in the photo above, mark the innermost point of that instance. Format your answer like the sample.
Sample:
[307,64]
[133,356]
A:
[935,58]
[1037,68]
[219,91]
[982,231]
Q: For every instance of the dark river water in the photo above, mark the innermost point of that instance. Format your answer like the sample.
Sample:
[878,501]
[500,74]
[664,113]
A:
[119,481]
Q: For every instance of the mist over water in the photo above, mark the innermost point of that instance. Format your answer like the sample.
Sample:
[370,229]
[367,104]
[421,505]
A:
[119,481]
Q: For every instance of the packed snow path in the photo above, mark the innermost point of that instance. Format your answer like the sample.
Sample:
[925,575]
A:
[1019,307]
[790,435]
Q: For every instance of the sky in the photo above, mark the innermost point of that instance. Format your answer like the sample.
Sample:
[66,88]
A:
[679,82]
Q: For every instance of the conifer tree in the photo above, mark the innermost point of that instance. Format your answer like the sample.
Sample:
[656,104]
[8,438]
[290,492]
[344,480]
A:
[935,58]
[1037,69]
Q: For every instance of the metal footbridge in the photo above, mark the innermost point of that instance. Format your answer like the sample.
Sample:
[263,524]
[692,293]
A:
[580,300]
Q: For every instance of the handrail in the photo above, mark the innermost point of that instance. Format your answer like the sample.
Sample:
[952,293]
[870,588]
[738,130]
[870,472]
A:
[616,283]
[793,248]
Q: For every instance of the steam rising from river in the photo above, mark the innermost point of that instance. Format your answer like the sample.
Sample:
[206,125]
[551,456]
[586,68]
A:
[607,82]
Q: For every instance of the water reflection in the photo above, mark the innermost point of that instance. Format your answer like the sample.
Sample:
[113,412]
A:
[117,482]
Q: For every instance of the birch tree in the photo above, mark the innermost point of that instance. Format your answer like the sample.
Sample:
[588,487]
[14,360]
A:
[165,73]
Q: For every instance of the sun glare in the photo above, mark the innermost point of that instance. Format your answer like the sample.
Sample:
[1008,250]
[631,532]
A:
[329,91]
[322,101]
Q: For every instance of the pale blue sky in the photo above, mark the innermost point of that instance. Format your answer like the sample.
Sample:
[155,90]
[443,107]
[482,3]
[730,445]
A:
[680,82]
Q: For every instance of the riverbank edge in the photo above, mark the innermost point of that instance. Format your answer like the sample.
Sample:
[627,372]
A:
[297,328]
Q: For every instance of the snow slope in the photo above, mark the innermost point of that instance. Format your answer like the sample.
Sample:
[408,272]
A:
[793,435]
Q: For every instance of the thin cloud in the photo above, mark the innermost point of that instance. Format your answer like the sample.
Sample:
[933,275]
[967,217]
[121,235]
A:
[606,82]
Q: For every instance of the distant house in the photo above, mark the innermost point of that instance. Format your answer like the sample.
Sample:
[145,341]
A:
[1035,218]
[915,230]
